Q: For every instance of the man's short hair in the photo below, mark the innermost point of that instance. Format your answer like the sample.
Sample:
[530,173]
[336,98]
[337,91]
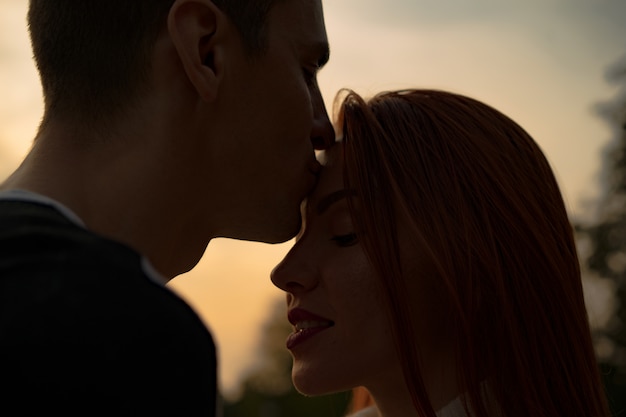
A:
[93,56]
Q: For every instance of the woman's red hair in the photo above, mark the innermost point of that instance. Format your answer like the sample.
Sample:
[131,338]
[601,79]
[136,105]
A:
[475,190]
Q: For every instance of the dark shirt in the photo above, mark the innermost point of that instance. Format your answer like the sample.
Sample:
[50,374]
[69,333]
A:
[84,331]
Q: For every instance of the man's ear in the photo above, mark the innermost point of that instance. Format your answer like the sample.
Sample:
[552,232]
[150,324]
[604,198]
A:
[193,26]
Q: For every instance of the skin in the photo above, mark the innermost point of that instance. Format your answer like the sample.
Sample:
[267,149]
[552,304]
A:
[327,273]
[219,145]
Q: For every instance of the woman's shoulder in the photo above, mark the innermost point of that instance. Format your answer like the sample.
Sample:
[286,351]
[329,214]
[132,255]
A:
[366,412]
[452,409]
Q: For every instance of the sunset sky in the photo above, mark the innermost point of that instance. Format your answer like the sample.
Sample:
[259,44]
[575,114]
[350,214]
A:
[542,62]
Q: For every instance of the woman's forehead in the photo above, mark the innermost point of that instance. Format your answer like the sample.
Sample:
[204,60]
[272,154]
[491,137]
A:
[331,175]
[332,155]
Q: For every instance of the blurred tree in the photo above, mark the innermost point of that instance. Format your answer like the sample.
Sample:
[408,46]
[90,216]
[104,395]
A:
[267,390]
[606,236]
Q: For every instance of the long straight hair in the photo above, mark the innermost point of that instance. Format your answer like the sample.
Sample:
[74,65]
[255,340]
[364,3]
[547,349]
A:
[475,190]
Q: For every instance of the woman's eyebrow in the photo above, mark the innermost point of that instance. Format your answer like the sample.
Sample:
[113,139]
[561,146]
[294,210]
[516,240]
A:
[332,198]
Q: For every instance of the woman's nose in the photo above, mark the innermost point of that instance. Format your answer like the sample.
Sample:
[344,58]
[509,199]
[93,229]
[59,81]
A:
[294,274]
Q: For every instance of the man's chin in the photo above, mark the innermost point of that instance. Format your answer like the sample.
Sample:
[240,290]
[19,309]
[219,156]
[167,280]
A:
[281,231]
[284,233]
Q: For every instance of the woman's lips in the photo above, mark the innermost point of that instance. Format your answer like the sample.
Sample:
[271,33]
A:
[306,325]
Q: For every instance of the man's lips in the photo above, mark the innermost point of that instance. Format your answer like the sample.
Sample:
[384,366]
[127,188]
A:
[315,167]
[306,325]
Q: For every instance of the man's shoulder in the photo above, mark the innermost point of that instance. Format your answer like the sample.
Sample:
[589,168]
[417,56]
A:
[38,238]
[53,270]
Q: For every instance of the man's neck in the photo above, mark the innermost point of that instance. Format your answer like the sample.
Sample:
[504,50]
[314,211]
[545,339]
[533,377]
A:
[111,187]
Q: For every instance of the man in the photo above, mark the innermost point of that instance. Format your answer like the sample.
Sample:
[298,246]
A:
[167,123]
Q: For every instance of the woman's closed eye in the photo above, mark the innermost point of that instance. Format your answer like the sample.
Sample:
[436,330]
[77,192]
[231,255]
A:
[346,240]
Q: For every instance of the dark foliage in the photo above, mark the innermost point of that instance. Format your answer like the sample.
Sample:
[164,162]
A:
[607,235]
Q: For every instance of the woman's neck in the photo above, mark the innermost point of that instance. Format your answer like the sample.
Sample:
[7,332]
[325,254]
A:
[393,399]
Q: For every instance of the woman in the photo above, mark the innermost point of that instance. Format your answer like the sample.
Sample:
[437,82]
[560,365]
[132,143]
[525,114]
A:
[436,268]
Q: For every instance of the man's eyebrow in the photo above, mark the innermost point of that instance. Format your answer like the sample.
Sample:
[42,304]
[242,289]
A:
[332,198]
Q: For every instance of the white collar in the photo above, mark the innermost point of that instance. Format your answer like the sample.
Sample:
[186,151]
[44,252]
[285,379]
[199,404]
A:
[453,409]
[31,197]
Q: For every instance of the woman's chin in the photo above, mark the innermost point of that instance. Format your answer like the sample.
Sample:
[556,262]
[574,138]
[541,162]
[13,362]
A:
[314,386]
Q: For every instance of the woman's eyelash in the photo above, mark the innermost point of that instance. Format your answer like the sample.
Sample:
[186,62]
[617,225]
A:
[345,240]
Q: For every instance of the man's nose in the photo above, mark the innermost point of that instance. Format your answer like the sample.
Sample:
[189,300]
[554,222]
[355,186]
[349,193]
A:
[322,134]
